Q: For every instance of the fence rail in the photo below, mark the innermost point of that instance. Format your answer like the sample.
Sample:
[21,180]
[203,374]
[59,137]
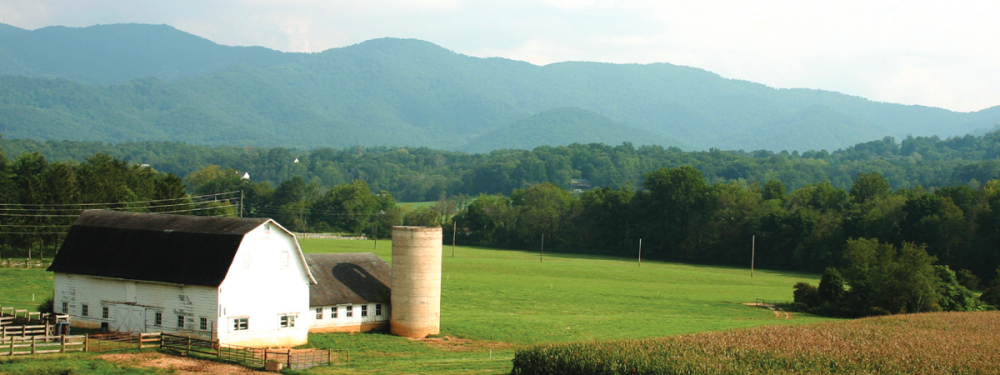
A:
[11,346]
[25,263]
[297,359]
[770,302]
[106,342]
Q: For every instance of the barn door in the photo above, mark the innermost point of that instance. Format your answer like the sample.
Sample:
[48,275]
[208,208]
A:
[129,318]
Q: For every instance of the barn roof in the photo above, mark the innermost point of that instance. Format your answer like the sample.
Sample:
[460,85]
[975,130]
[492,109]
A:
[190,250]
[348,278]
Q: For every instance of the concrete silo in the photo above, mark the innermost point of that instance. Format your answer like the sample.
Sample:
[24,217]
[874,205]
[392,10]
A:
[416,281]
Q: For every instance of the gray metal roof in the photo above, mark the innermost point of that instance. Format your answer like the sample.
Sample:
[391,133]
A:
[348,278]
[190,250]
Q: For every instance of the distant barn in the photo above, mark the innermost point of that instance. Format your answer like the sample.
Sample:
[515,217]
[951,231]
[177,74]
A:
[241,281]
[238,281]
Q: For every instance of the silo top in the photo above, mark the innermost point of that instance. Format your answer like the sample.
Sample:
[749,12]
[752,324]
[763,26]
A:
[416,229]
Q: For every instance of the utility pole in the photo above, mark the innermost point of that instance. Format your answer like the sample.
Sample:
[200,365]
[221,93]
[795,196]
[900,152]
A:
[454,229]
[640,252]
[541,252]
[753,252]
[241,204]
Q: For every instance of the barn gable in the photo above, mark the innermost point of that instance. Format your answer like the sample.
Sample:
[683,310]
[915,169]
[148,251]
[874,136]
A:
[175,249]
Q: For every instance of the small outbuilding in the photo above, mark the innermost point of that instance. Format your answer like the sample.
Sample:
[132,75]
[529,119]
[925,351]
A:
[240,281]
[351,293]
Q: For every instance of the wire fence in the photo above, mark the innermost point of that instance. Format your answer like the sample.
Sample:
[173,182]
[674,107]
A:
[25,263]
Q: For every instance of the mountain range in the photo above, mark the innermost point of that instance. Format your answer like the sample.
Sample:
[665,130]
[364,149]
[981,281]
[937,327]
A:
[130,82]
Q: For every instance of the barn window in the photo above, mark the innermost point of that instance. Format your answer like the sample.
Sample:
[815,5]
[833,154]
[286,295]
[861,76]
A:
[349,311]
[84,310]
[105,313]
[319,313]
[241,324]
[378,309]
[203,324]
[286,321]
[65,307]
[333,312]
[364,310]
[284,260]
[180,321]
[158,319]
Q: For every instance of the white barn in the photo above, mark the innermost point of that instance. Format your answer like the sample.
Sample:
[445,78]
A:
[351,293]
[240,281]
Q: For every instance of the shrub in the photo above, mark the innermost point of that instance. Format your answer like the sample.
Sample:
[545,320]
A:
[968,279]
[806,294]
[47,306]
[831,287]
[991,296]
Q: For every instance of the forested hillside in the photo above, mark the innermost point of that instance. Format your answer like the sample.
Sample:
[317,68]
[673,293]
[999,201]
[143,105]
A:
[144,82]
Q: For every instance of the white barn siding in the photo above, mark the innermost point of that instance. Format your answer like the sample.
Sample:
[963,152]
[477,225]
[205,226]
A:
[132,305]
[354,323]
[262,285]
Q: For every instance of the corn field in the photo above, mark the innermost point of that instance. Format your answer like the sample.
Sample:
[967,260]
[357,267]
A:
[932,343]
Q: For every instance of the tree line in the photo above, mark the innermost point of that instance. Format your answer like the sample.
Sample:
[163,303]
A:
[423,174]
[40,199]
[681,217]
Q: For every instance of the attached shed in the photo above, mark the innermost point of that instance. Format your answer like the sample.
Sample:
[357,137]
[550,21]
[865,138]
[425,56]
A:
[351,293]
[241,281]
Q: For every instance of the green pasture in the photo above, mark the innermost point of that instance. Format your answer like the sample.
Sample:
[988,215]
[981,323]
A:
[24,288]
[499,300]
[415,205]
[502,299]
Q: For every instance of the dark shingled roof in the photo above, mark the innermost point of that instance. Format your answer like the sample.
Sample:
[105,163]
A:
[190,250]
[348,278]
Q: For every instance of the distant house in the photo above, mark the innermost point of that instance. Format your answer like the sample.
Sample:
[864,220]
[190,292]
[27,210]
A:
[579,184]
[351,293]
[241,281]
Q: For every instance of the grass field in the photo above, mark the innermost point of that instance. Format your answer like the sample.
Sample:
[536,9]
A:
[415,205]
[500,300]
[24,288]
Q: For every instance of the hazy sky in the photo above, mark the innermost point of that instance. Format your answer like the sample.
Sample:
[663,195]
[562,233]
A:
[936,53]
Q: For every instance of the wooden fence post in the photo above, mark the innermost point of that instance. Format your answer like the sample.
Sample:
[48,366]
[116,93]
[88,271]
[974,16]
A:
[289,358]
[86,342]
[329,357]
[189,347]
[33,344]
[62,346]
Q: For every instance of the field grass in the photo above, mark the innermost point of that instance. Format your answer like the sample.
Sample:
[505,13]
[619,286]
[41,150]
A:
[499,300]
[76,363]
[509,296]
[504,300]
[24,288]
[415,205]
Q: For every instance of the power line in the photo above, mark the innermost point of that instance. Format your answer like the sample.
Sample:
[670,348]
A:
[120,203]
[41,215]
[43,210]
